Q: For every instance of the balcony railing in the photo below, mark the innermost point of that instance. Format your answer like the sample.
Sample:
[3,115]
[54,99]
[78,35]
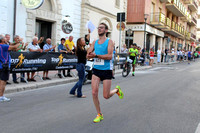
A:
[177,8]
[178,28]
[193,19]
[165,1]
[157,18]
[193,36]
[187,35]
[192,4]
[168,22]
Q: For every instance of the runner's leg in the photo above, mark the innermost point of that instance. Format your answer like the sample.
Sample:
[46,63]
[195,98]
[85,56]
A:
[95,91]
[106,89]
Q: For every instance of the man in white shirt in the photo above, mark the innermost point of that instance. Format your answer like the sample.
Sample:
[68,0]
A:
[158,55]
[178,55]
[172,54]
[33,47]
[48,48]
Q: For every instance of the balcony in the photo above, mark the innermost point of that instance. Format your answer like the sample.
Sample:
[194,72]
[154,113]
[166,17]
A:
[187,35]
[176,30]
[158,20]
[177,8]
[187,18]
[192,5]
[165,1]
[193,22]
[193,37]
[168,24]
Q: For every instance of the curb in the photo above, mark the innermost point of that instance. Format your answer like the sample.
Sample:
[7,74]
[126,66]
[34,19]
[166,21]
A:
[39,85]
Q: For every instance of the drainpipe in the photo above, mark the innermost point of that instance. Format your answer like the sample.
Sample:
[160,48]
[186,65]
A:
[15,10]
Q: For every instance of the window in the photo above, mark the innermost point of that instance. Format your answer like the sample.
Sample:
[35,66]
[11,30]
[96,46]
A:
[117,3]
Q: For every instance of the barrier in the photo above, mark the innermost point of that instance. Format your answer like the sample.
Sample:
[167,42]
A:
[35,61]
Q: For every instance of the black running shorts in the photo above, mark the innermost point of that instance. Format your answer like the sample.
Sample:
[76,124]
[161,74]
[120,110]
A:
[4,75]
[103,74]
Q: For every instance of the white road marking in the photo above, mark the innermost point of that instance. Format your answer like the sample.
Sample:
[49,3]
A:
[198,129]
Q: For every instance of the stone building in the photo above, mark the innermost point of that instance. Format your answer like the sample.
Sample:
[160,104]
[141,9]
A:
[170,23]
[46,20]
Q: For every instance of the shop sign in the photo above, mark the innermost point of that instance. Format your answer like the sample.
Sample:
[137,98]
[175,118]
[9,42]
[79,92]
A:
[148,29]
[32,4]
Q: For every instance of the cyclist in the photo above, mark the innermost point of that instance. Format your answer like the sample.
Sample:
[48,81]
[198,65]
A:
[133,52]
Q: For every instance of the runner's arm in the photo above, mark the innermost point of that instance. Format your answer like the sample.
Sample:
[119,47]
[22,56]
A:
[90,50]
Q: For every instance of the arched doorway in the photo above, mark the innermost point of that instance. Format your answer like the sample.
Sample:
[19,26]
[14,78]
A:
[44,20]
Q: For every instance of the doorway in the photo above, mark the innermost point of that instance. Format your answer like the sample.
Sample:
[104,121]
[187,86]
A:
[43,29]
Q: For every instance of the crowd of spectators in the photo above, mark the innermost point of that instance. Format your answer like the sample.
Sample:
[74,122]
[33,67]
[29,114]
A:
[38,45]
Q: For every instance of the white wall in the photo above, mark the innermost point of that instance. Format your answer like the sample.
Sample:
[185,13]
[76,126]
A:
[73,9]
[108,5]
[95,17]
[21,17]
[6,17]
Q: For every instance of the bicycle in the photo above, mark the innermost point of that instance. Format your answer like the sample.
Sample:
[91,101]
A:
[126,68]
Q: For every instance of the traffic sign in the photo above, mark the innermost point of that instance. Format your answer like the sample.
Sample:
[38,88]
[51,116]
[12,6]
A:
[122,26]
[122,17]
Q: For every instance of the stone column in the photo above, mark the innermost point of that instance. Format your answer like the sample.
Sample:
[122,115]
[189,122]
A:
[152,41]
[84,17]
[160,43]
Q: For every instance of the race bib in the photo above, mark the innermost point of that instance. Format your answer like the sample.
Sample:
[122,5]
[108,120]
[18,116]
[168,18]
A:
[98,61]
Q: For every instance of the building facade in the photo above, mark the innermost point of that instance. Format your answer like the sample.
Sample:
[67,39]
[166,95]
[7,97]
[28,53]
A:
[170,23]
[98,11]
[47,20]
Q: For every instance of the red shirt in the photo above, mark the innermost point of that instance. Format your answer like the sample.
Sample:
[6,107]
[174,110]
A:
[151,54]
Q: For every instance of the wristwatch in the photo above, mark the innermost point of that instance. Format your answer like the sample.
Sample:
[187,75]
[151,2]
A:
[96,56]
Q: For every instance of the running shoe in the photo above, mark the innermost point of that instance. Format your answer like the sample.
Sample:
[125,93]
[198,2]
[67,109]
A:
[98,118]
[4,99]
[119,92]
[133,73]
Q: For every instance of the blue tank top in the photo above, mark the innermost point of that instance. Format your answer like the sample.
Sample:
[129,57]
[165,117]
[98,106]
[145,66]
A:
[102,49]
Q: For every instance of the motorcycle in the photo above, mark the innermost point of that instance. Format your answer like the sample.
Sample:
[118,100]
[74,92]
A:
[88,70]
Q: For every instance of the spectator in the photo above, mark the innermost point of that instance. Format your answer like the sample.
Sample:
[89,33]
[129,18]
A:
[189,56]
[124,49]
[172,54]
[4,59]
[7,36]
[69,44]
[41,42]
[158,55]
[162,54]
[62,48]
[166,54]
[178,55]
[87,40]
[48,48]
[22,48]
[33,47]
[151,57]
[186,54]
[181,55]
[80,67]
[16,41]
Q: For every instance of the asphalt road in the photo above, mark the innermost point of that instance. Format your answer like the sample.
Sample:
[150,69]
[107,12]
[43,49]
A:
[164,99]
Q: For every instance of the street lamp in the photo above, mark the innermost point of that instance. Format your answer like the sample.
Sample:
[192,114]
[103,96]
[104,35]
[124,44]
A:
[145,20]
[129,32]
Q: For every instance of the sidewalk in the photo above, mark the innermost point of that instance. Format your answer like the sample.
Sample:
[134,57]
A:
[54,81]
